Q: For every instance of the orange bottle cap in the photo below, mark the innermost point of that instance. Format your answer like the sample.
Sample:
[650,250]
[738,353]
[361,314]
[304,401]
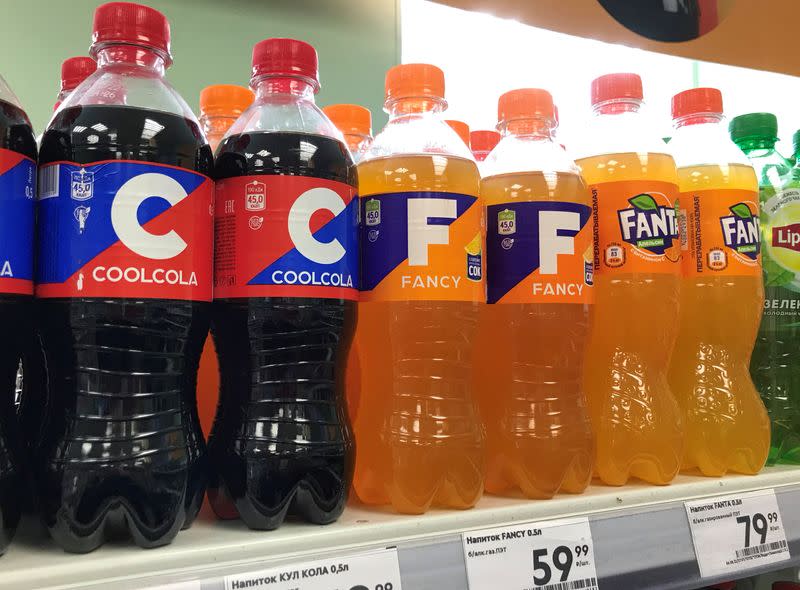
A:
[225,99]
[696,101]
[484,140]
[350,118]
[414,81]
[461,128]
[525,103]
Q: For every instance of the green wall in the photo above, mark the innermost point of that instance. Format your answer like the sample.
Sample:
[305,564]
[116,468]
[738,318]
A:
[357,41]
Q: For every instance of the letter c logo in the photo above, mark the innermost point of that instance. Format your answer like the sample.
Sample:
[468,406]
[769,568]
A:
[125,208]
[300,214]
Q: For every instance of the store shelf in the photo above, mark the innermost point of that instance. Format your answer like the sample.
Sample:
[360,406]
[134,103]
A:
[641,538]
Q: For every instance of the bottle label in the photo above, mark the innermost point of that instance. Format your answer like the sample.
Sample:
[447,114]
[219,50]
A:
[124,229]
[285,236]
[422,246]
[637,227]
[17,192]
[539,252]
[780,234]
[723,234]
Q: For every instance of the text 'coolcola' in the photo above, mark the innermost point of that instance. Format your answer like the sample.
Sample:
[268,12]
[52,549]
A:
[124,279]
[420,439]
[286,281]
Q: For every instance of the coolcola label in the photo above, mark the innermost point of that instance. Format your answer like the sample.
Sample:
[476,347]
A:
[17,191]
[422,246]
[124,229]
[637,227]
[780,233]
[539,252]
[285,236]
[723,233]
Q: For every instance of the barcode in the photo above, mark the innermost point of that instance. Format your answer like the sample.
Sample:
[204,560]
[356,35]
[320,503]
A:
[48,181]
[759,549]
[585,584]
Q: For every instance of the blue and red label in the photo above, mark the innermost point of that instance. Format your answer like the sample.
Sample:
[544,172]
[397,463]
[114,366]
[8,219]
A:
[17,191]
[285,236]
[124,229]
[422,246]
[539,252]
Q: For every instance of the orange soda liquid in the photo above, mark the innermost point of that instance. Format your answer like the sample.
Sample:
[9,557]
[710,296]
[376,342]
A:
[420,440]
[530,383]
[727,426]
[635,416]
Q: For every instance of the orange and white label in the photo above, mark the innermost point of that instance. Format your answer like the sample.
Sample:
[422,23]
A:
[723,234]
[418,246]
[539,252]
[636,222]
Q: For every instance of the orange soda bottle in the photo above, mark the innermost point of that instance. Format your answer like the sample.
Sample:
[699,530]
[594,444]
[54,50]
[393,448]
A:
[420,441]
[461,129]
[482,142]
[727,427]
[355,123]
[634,186]
[535,330]
[220,106]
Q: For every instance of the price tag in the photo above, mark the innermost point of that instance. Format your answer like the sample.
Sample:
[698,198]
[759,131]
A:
[374,570]
[737,532]
[552,555]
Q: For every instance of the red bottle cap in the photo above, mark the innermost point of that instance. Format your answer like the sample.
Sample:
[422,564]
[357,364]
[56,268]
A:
[75,70]
[461,128]
[696,101]
[134,24]
[414,81]
[483,140]
[286,57]
[616,86]
[525,103]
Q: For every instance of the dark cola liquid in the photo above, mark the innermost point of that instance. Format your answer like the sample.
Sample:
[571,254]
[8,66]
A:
[122,442]
[281,441]
[17,342]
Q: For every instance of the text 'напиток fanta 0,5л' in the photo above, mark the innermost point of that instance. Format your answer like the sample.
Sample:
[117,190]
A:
[539,279]
[420,441]
[124,286]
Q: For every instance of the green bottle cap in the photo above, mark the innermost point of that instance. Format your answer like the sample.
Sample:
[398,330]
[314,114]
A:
[754,126]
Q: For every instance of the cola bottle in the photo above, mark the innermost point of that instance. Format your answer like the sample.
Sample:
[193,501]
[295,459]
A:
[17,191]
[285,284]
[124,279]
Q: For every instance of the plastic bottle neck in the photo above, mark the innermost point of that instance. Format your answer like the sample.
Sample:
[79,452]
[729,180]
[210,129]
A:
[617,106]
[217,124]
[536,128]
[698,119]
[757,144]
[414,106]
[132,56]
[296,86]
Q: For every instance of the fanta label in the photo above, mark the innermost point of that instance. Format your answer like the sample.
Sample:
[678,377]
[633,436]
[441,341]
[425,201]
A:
[637,227]
[539,252]
[17,192]
[723,233]
[124,229]
[285,236]
[422,246]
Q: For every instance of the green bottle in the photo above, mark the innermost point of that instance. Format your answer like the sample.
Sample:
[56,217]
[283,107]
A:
[775,364]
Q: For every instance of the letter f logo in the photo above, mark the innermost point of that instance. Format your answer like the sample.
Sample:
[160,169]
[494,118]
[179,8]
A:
[420,233]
